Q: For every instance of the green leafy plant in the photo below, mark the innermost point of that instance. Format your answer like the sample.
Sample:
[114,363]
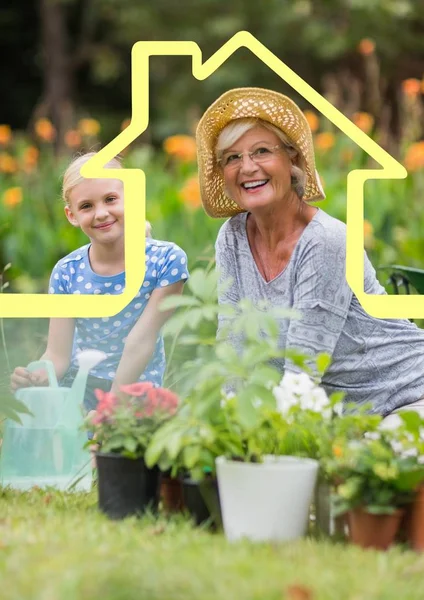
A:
[230,408]
[216,365]
[10,407]
[379,472]
[190,442]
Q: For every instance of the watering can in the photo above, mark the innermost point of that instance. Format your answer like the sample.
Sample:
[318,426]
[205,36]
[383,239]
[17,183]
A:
[47,447]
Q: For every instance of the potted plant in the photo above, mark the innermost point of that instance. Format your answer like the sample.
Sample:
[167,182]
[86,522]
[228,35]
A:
[374,479]
[186,447]
[265,493]
[122,427]
[233,421]
[288,438]
[409,426]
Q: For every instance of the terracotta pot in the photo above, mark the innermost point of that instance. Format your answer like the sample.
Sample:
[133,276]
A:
[171,493]
[373,531]
[415,521]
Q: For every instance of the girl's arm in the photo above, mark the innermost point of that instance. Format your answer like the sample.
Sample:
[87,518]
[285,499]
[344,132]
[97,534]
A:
[59,344]
[59,349]
[141,340]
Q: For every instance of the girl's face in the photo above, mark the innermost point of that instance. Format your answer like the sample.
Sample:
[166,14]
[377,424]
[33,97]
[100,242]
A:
[97,206]
[255,185]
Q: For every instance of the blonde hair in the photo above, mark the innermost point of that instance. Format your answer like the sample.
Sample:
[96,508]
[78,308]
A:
[238,127]
[73,177]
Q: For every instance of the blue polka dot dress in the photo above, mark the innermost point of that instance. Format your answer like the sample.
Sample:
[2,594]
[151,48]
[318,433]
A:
[166,264]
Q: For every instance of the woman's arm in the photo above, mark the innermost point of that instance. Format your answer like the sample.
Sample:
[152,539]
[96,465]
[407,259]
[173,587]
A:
[141,341]
[58,351]
[321,295]
[228,292]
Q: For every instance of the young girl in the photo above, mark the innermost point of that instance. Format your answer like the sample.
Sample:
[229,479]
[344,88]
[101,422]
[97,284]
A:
[131,339]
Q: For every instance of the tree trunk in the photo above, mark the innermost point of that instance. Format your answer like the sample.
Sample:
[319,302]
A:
[56,102]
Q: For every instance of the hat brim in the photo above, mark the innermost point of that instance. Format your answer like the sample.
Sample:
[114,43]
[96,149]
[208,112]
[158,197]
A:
[259,103]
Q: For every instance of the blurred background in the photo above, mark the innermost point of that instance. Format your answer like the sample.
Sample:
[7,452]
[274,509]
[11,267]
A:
[66,88]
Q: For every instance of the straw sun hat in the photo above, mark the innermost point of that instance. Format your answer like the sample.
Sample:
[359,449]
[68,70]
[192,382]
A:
[250,102]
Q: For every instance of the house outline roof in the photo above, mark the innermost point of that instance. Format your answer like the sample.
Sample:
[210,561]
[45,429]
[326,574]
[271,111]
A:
[384,306]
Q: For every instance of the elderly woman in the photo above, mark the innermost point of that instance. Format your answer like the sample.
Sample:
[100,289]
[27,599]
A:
[257,166]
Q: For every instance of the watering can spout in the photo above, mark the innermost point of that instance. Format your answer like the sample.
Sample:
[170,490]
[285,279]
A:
[87,359]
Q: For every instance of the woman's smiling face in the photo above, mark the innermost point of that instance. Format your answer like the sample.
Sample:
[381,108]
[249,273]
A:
[261,184]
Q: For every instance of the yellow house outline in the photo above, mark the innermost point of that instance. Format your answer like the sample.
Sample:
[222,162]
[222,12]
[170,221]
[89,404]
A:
[49,305]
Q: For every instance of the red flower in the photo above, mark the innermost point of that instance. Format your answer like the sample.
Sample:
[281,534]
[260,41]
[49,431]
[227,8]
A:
[148,399]
[105,407]
[165,400]
[137,389]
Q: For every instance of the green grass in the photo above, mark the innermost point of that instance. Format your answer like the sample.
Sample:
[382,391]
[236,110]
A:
[57,546]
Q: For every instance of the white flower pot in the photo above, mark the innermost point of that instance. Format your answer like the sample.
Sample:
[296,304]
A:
[266,501]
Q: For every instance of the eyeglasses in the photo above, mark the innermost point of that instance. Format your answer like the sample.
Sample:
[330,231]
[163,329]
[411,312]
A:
[232,160]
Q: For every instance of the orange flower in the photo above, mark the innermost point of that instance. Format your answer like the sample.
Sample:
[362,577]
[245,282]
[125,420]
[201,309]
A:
[31,155]
[73,138]
[30,158]
[347,155]
[299,592]
[368,234]
[324,141]
[411,87]
[312,119]
[182,147]
[12,196]
[363,120]
[45,130]
[366,47]
[190,192]
[414,158]
[369,241]
[89,127]
[5,134]
[8,164]
[337,451]
[125,123]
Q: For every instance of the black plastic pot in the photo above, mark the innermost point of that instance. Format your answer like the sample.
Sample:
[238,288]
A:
[201,499]
[126,486]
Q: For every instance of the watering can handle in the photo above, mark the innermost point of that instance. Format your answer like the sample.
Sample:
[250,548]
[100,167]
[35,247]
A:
[48,366]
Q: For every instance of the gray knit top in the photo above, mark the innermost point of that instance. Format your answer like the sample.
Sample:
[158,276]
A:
[376,361]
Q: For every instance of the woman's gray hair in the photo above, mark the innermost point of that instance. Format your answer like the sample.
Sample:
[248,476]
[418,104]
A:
[238,127]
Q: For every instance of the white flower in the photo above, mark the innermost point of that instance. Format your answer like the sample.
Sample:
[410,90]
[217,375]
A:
[391,422]
[354,445]
[297,389]
[398,448]
[297,383]
[372,435]
[338,409]
[284,400]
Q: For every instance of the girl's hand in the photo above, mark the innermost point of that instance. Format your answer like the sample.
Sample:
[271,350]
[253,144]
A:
[22,378]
